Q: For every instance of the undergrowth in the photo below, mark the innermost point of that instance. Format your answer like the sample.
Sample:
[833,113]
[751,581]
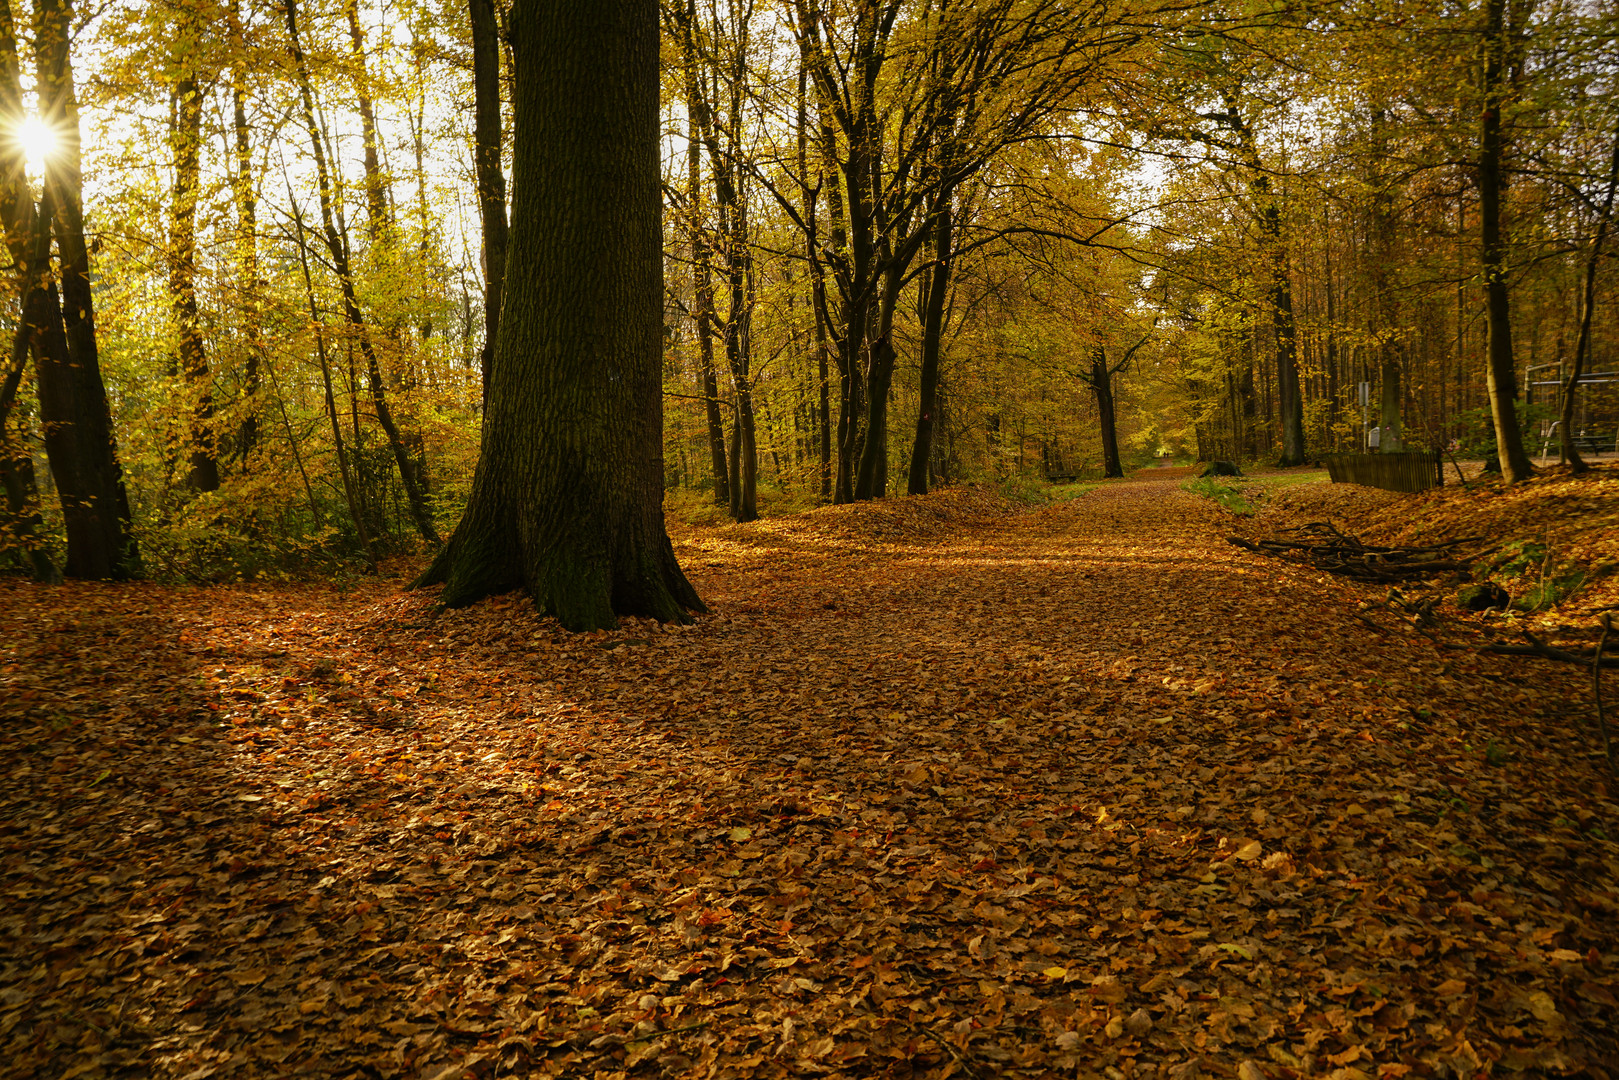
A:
[1221,490]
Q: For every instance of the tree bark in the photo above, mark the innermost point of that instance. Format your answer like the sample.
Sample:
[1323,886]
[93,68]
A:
[567,498]
[185,137]
[932,337]
[491,179]
[697,137]
[1289,392]
[872,479]
[1101,381]
[1502,378]
[73,398]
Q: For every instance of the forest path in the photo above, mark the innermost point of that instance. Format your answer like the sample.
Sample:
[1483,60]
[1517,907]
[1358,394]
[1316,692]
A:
[1083,788]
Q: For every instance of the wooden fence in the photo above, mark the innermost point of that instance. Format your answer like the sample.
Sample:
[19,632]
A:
[1415,471]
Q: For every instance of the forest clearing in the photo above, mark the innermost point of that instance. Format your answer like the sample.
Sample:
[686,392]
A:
[944,786]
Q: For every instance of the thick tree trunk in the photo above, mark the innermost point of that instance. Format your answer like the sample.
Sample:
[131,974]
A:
[932,338]
[1502,376]
[73,398]
[185,138]
[872,480]
[491,179]
[567,498]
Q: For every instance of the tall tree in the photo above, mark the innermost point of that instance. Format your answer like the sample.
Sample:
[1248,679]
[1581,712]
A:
[1492,186]
[567,500]
[185,141]
[488,169]
[936,290]
[72,397]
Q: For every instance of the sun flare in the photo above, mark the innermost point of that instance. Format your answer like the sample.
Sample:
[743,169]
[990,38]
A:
[38,143]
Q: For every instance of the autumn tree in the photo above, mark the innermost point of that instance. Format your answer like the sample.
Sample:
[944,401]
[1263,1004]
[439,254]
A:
[73,407]
[567,499]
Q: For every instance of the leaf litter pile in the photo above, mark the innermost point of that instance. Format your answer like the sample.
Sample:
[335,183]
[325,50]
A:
[939,790]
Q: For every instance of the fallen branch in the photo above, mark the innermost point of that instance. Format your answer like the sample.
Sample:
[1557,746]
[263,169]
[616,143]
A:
[1322,546]
[1596,687]
[1536,647]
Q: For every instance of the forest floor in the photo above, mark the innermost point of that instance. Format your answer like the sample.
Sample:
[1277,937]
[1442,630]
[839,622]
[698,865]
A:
[942,787]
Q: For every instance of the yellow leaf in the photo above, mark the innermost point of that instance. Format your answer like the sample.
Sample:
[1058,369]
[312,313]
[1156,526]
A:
[1250,851]
[1055,972]
[741,833]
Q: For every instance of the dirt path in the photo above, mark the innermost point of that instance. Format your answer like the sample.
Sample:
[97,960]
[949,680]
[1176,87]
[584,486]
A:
[1084,789]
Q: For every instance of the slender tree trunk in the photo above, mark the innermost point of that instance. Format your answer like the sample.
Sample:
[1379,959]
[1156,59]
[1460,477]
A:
[1101,383]
[938,288]
[491,179]
[73,398]
[350,490]
[739,353]
[247,257]
[185,138]
[338,251]
[817,277]
[1502,374]
[376,185]
[23,532]
[1289,392]
[567,498]
[1582,345]
[1331,334]
[1289,396]
[701,260]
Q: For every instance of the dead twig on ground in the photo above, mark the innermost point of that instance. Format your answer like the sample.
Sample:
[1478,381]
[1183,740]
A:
[1536,647]
[1323,546]
[1596,687]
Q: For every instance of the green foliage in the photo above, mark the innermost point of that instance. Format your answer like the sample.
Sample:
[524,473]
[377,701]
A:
[1543,579]
[1064,492]
[1221,490]
[1477,439]
[1024,490]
